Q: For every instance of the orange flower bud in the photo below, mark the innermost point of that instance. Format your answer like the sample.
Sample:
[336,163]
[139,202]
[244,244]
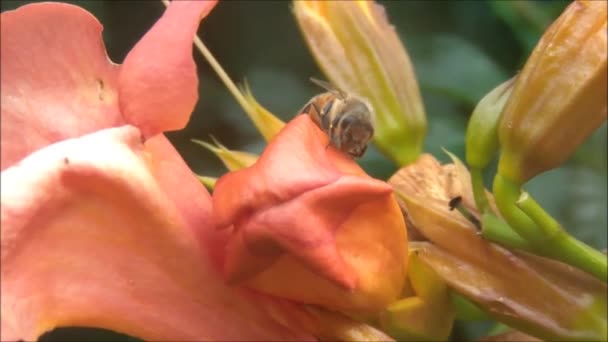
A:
[309,225]
[559,98]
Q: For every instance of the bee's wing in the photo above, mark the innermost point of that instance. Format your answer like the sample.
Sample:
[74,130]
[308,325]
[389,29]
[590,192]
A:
[329,87]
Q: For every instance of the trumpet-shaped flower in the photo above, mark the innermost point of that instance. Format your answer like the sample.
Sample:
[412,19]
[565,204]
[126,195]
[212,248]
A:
[308,224]
[103,224]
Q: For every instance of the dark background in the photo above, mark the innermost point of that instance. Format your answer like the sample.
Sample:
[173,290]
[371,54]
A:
[460,51]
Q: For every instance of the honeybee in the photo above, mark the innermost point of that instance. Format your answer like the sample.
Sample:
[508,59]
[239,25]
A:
[348,120]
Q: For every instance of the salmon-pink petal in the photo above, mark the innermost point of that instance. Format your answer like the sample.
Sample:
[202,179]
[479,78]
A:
[297,213]
[56,79]
[295,203]
[298,160]
[305,227]
[158,82]
[90,239]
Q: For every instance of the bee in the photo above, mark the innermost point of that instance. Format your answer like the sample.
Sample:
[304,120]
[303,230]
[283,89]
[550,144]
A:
[347,120]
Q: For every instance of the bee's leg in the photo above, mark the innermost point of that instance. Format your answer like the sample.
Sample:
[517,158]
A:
[331,141]
[334,141]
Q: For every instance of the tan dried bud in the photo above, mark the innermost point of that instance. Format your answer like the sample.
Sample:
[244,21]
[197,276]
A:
[559,98]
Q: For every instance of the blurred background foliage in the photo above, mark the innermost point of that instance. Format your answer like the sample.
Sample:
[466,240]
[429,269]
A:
[460,51]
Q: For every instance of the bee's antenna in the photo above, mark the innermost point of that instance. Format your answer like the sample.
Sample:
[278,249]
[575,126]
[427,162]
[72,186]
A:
[329,87]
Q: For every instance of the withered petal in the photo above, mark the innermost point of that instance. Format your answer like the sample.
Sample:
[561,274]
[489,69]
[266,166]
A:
[530,293]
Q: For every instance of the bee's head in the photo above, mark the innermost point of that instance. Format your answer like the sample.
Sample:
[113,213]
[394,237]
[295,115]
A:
[355,132]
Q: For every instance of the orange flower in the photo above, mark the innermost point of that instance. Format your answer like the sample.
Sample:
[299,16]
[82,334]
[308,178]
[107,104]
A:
[103,224]
[308,224]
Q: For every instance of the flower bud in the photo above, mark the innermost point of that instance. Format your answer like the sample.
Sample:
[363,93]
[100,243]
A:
[308,224]
[360,52]
[482,138]
[559,98]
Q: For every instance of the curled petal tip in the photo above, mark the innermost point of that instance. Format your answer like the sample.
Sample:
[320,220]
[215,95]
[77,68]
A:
[158,79]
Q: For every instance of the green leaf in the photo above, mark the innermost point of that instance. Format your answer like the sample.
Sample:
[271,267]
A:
[454,67]
[447,127]
[527,19]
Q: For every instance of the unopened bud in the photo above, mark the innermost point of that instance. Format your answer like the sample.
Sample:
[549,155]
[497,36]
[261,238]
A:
[360,52]
[482,135]
[559,98]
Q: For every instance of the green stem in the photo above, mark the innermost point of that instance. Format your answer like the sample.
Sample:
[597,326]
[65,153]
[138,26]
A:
[506,194]
[479,191]
[549,240]
[221,73]
[494,228]
[578,253]
[497,230]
